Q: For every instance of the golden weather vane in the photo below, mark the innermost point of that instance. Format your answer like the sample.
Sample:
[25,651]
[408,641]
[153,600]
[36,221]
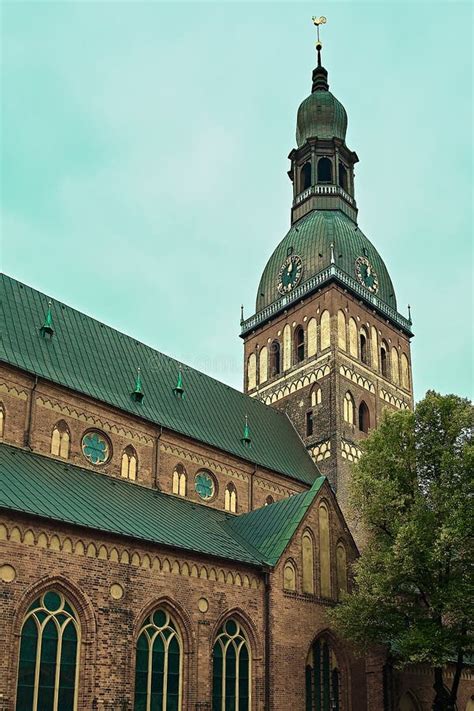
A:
[318,21]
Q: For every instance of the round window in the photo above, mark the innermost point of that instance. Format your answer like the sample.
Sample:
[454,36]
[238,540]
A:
[205,485]
[95,447]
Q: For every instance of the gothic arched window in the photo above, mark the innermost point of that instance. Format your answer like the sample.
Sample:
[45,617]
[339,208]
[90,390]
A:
[231,669]
[323,682]
[252,371]
[60,440]
[349,408]
[289,576]
[308,562]
[2,419]
[343,177]
[341,569]
[363,345]
[230,498]
[179,480]
[324,170]
[49,655]
[158,670]
[383,359]
[364,417]
[405,372]
[275,359]
[129,467]
[299,344]
[306,176]
[324,551]
[316,396]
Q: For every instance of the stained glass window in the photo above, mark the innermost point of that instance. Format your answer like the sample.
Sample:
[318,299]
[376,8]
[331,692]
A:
[231,669]
[158,671]
[322,678]
[95,447]
[49,656]
[204,485]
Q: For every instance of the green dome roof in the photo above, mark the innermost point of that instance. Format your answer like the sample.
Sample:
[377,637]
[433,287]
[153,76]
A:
[311,239]
[321,115]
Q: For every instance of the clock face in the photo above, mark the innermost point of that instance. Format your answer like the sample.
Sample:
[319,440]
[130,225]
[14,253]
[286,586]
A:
[366,274]
[290,274]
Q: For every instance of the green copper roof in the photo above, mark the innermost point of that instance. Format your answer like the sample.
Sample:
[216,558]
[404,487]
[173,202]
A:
[270,528]
[96,360]
[320,115]
[40,486]
[311,239]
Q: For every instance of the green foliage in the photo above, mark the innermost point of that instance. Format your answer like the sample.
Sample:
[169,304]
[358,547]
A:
[412,489]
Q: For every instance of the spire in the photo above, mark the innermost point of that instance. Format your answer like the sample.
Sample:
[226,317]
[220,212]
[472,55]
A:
[178,389]
[409,315]
[246,439]
[241,314]
[320,75]
[138,393]
[47,327]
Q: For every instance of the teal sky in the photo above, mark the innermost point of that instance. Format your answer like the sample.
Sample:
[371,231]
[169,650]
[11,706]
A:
[144,158]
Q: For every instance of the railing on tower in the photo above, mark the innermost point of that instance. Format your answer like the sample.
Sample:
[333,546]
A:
[323,190]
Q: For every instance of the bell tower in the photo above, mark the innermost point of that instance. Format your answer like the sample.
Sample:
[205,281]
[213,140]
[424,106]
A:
[326,343]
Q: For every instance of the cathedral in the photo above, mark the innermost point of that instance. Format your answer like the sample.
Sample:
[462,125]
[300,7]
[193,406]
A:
[169,543]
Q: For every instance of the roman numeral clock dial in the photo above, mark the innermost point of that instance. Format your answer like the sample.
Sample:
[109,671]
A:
[290,274]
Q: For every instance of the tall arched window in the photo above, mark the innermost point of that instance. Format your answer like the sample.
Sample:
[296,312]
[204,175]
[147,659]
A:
[316,396]
[263,364]
[325,326]
[158,670]
[323,682]
[374,351]
[383,359]
[395,366]
[306,176]
[231,669]
[129,467]
[343,182]
[60,440]
[364,417]
[341,330]
[2,419]
[275,359]
[363,345]
[287,348]
[353,338]
[405,372]
[230,498]
[324,551]
[308,562]
[252,371]
[312,337]
[299,344]
[289,576]
[324,170]
[341,569]
[179,480]
[349,408]
[49,656]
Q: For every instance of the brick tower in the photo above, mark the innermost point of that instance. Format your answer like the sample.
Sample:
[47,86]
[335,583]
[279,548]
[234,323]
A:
[327,344]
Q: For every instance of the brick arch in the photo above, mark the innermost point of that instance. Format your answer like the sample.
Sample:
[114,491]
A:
[178,613]
[342,658]
[88,626]
[247,623]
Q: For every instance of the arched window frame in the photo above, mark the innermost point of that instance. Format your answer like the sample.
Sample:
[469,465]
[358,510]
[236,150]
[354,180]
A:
[384,369]
[325,329]
[129,463]
[60,440]
[325,170]
[230,498]
[225,640]
[64,619]
[349,408]
[307,558]
[405,371]
[299,341]
[341,569]
[343,177]
[252,371]
[364,345]
[364,417]
[263,365]
[275,358]
[323,675]
[179,480]
[290,581]
[2,420]
[316,396]
[306,176]
[158,624]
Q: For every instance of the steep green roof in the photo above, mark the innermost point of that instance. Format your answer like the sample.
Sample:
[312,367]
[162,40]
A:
[96,360]
[270,528]
[311,239]
[40,486]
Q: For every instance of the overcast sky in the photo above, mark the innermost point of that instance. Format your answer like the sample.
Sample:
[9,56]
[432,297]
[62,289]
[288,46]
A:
[144,158]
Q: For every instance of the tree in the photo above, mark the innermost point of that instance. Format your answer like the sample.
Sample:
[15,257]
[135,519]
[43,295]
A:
[412,489]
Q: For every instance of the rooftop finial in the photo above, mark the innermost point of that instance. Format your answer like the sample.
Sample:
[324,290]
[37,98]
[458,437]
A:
[409,315]
[47,327]
[246,439]
[320,75]
[179,389]
[333,261]
[241,313]
[138,393]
